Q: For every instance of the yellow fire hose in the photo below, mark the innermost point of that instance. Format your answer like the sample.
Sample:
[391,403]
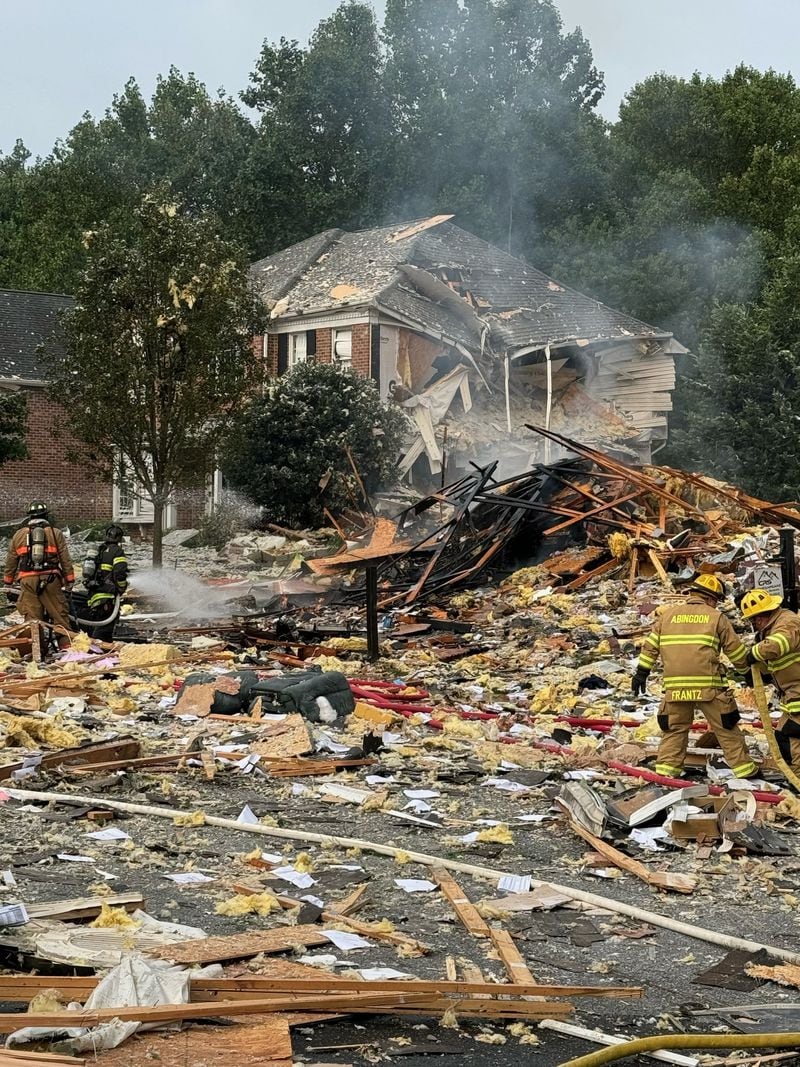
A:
[769,730]
[643,1045]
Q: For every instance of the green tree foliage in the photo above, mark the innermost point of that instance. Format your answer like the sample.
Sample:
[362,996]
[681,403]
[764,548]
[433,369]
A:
[13,426]
[158,348]
[321,156]
[493,109]
[184,138]
[289,453]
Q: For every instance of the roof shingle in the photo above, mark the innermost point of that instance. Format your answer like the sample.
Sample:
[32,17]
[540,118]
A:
[522,306]
[28,320]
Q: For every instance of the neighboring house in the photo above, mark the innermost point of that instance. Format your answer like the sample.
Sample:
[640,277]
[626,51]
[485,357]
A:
[466,335]
[28,332]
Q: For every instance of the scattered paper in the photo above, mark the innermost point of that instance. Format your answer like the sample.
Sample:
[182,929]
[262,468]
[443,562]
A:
[417,885]
[247,816]
[507,785]
[421,794]
[318,902]
[346,942]
[189,878]
[515,883]
[381,974]
[74,859]
[296,878]
[109,833]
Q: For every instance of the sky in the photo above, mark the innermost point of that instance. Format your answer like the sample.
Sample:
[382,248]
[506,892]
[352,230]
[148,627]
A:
[59,59]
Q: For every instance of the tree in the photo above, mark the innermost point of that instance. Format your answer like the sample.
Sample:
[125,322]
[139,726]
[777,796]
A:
[158,348]
[13,426]
[295,438]
[321,156]
[184,138]
[493,106]
[748,389]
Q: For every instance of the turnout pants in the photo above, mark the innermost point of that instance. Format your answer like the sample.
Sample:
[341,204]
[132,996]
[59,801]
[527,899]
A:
[40,599]
[787,734]
[675,720]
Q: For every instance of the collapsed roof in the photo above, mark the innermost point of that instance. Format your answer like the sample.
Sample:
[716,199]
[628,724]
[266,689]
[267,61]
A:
[441,280]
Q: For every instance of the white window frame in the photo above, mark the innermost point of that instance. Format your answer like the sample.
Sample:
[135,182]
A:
[297,348]
[342,348]
[129,501]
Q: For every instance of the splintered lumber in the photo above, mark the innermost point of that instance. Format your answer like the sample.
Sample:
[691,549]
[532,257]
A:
[594,900]
[83,907]
[240,946]
[373,930]
[365,1003]
[261,1043]
[123,748]
[24,987]
[678,883]
[469,915]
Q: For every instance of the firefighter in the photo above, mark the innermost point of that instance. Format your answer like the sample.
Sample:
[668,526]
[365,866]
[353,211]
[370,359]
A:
[777,649]
[105,576]
[689,638]
[38,556]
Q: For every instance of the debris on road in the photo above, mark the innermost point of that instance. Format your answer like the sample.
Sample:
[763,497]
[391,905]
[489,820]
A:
[250,793]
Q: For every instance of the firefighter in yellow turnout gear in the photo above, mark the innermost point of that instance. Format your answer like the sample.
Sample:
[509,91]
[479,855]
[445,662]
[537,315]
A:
[689,638]
[777,650]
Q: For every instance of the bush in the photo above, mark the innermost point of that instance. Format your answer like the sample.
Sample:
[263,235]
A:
[294,436]
[226,519]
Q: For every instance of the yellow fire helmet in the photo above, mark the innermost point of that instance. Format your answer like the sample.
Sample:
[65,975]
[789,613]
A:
[759,602]
[709,583]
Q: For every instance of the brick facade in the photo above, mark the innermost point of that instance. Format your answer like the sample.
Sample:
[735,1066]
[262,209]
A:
[361,349]
[70,488]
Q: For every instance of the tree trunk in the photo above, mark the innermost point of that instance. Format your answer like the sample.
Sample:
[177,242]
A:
[158,531]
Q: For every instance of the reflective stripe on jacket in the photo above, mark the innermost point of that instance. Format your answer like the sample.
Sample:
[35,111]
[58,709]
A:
[778,649]
[688,638]
[57,557]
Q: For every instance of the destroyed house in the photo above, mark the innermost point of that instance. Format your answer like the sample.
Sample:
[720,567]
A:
[471,341]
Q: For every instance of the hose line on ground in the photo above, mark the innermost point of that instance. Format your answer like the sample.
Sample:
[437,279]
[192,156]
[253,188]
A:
[681,1041]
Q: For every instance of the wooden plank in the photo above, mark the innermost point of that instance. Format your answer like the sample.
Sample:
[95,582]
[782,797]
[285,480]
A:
[293,978]
[659,569]
[678,883]
[240,946]
[352,1003]
[121,748]
[352,902]
[83,907]
[515,965]
[469,915]
[36,642]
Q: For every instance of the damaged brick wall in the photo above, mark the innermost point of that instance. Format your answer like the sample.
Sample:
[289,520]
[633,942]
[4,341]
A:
[72,489]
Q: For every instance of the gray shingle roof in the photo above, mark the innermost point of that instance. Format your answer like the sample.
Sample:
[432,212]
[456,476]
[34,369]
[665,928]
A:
[28,320]
[522,306]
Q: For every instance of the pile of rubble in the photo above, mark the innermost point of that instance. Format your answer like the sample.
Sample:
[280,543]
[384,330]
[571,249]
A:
[240,819]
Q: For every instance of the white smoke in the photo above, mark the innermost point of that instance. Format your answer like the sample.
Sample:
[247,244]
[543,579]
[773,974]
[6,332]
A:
[189,597]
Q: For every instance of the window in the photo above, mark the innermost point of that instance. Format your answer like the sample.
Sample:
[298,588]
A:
[343,348]
[297,348]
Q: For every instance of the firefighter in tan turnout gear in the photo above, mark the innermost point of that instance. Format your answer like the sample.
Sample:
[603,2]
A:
[39,558]
[689,638]
[777,650]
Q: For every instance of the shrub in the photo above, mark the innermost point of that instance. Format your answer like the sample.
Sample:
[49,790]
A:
[289,452]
